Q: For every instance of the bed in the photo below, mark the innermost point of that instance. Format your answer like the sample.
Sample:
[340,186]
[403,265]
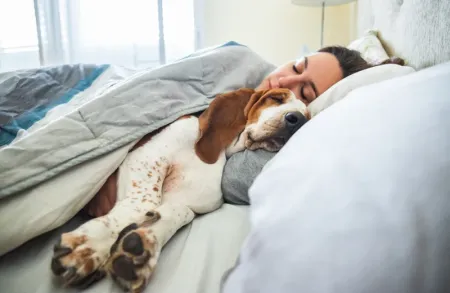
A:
[201,256]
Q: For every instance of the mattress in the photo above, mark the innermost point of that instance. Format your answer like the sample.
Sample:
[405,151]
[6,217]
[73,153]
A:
[193,261]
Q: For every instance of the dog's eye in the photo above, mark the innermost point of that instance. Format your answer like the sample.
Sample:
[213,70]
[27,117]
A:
[277,99]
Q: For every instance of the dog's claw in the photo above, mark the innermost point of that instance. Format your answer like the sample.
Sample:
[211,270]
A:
[60,251]
[56,267]
[70,275]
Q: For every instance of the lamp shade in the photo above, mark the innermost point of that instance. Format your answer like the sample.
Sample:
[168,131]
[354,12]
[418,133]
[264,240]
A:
[320,2]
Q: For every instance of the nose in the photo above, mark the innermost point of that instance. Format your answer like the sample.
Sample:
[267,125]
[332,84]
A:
[294,120]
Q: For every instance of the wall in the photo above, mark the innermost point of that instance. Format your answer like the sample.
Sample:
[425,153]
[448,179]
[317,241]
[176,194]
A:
[275,29]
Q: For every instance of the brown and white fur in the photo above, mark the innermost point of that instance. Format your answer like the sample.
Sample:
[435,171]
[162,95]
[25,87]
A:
[165,183]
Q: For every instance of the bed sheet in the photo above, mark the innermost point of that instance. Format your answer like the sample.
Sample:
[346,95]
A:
[193,261]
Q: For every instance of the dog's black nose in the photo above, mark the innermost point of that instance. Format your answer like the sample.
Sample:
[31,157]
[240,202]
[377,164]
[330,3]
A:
[294,120]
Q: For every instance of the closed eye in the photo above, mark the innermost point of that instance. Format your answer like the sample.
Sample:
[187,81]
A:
[277,99]
[309,96]
[302,94]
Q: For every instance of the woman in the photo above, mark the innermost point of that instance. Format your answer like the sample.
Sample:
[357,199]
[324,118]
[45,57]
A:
[307,78]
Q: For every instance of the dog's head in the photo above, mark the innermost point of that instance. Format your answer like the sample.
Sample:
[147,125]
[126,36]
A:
[249,119]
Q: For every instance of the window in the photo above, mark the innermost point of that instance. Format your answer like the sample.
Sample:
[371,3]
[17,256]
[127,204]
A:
[18,35]
[133,33]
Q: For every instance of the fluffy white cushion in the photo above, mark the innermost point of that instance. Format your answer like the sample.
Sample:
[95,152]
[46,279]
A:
[370,47]
[366,77]
[358,199]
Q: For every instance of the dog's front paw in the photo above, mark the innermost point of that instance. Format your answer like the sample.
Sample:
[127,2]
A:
[77,260]
[134,256]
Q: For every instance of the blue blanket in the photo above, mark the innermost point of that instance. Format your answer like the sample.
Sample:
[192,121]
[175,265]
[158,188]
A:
[26,96]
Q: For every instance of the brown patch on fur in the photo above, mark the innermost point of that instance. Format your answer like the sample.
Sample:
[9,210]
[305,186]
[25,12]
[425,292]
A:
[262,100]
[86,252]
[74,241]
[134,183]
[80,255]
[89,265]
[221,123]
[155,188]
[149,245]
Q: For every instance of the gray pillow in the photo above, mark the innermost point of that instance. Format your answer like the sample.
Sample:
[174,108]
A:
[359,198]
[239,173]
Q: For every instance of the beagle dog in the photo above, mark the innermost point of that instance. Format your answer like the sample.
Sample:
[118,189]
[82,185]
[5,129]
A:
[164,183]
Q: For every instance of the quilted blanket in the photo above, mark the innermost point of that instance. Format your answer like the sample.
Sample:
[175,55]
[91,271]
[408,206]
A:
[52,119]
[28,95]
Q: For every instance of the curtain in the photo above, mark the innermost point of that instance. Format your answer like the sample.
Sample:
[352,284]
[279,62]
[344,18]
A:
[132,33]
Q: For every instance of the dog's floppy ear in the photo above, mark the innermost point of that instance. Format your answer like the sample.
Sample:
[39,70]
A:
[253,100]
[221,123]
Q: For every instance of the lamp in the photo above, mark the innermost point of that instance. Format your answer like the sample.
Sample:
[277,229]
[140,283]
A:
[322,3]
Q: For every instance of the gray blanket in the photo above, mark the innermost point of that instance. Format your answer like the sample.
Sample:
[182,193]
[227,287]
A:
[116,111]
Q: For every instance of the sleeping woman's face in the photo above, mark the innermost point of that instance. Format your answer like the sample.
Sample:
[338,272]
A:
[307,78]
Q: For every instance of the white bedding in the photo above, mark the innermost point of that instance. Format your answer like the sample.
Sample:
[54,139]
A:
[194,260]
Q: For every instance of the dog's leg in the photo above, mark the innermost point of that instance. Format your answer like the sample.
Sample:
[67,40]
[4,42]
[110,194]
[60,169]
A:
[80,255]
[135,255]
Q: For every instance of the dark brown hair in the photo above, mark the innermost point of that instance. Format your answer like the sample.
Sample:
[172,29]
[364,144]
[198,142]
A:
[351,61]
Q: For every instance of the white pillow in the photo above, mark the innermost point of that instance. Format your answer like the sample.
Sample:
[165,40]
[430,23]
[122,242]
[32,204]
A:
[370,47]
[365,77]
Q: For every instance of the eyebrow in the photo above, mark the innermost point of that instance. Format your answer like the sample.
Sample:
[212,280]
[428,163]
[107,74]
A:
[310,82]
